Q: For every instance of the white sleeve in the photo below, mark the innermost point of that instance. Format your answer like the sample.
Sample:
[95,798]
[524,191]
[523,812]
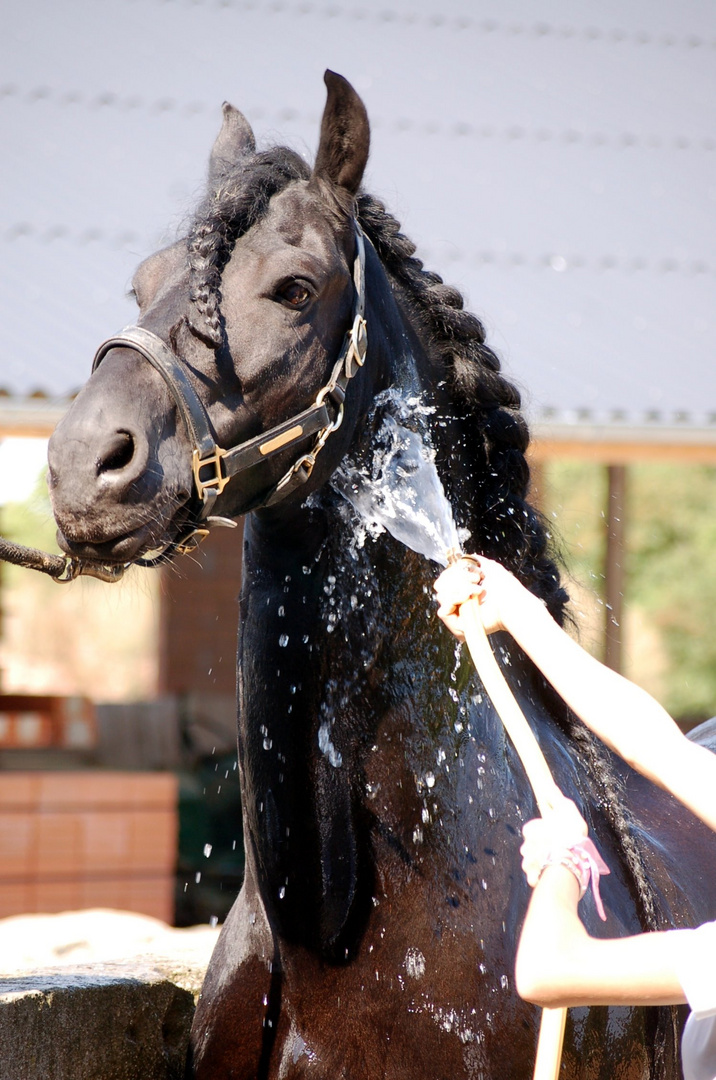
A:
[695,963]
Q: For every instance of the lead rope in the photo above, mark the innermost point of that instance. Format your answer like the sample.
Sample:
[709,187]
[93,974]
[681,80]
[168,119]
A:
[61,568]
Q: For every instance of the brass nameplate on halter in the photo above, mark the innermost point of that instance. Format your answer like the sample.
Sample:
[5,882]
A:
[281,440]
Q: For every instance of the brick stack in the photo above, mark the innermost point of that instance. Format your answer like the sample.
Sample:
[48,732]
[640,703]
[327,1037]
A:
[73,840]
[37,722]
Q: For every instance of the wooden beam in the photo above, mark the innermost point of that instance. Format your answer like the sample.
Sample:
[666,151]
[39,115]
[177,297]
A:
[614,576]
[622,453]
[623,444]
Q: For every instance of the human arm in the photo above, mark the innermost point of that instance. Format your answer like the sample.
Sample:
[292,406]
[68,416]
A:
[623,715]
[559,964]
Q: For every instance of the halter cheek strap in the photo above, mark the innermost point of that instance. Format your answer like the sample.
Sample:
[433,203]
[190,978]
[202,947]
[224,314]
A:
[212,466]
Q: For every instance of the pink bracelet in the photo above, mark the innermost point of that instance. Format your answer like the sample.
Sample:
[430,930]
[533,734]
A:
[587,865]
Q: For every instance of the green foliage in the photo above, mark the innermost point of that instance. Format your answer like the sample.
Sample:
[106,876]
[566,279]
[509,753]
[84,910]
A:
[30,522]
[670,567]
[90,638]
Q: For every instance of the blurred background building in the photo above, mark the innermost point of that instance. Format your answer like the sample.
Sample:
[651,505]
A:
[555,161]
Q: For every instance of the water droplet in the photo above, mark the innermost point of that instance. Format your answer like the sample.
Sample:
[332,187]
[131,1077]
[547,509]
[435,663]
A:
[214,920]
[430,779]
[207,850]
[268,743]
[197,876]
[282,892]
[283,641]
[281,612]
[414,963]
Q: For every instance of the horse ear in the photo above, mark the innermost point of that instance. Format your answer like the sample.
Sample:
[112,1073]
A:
[234,141]
[345,136]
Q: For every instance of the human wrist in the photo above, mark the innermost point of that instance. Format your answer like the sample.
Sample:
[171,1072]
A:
[582,860]
[526,614]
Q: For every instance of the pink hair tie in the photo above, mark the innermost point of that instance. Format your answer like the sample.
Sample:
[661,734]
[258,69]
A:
[587,865]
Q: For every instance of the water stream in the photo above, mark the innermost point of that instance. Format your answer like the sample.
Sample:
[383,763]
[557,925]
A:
[400,491]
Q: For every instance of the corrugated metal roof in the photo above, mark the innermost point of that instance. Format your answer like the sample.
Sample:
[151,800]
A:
[560,167]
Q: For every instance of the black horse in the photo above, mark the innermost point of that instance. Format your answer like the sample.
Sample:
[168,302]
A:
[376,928]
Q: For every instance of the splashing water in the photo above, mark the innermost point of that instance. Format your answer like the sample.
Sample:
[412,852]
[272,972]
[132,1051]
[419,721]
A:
[403,493]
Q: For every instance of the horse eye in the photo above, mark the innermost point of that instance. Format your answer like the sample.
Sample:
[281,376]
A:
[295,294]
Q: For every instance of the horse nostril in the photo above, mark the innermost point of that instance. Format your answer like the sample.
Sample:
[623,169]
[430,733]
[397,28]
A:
[117,454]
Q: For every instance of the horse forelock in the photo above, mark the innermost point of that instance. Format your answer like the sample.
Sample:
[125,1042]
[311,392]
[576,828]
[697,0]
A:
[225,214]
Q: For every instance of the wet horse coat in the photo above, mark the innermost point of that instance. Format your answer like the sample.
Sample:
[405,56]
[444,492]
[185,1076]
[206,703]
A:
[376,928]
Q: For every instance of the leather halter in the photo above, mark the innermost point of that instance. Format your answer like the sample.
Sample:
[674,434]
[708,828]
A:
[212,466]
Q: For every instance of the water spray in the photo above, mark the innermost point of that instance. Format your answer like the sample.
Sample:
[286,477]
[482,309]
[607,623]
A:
[401,492]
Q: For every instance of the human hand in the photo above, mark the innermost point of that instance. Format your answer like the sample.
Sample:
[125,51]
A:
[496,590]
[548,837]
[462,581]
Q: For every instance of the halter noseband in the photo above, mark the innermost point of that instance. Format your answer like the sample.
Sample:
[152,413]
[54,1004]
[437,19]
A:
[212,466]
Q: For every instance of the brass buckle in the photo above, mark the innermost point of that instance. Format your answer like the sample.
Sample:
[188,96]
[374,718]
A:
[218,480]
[75,568]
[192,541]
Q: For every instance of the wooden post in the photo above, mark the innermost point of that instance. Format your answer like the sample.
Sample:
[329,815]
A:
[536,491]
[614,566]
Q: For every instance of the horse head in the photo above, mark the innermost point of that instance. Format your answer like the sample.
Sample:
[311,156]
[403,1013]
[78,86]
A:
[249,332]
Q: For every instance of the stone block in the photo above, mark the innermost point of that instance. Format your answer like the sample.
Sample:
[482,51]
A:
[109,1021]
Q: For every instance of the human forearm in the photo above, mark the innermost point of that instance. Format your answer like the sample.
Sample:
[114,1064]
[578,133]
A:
[552,934]
[623,715]
[559,964]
